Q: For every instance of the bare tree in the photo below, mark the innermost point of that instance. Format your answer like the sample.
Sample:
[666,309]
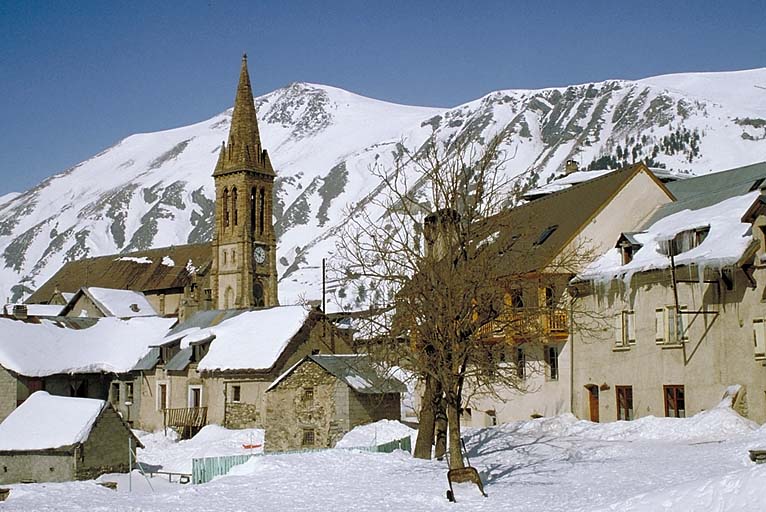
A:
[428,253]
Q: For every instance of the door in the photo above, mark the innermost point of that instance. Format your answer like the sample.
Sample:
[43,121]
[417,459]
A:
[195,396]
[593,402]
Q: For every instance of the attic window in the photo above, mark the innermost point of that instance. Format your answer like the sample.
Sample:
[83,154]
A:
[684,241]
[134,308]
[547,232]
[756,185]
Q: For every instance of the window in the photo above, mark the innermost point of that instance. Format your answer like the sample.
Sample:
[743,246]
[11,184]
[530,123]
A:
[261,210]
[675,403]
[252,210]
[308,395]
[517,298]
[225,254]
[521,363]
[552,359]
[547,232]
[676,324]
[162,396]
[309,438]
[236,394]
[128,393]
[759,337]
[114,393]
[225,207]
[659,325]
[625,329]
[627,253]
[195,396]
[624,402]
[234,203]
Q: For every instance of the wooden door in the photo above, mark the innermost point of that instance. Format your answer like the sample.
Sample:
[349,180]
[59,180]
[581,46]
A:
[593,402]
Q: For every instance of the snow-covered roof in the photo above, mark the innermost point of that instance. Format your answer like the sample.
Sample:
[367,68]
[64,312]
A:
[358,371]
[119,303]
[251,340]
[576,177]
[726,241]
[46,421]
[47,347]
[35,309]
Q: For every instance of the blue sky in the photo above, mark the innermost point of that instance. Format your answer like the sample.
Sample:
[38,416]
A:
[75,77]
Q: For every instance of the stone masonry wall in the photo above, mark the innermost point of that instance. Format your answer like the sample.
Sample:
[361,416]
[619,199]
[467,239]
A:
[8,393]
[106,449]
[33,467]
[288,414]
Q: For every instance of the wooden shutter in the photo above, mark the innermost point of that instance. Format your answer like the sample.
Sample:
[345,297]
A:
[672,324]
[659,325]
[630,325]
[618,337]
[759,337]
[682,324]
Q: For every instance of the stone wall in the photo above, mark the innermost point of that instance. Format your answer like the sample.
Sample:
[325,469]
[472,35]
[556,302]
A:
[289,414]
[106,449]
[242,415]
[36,467]
[8,393]
[368,408]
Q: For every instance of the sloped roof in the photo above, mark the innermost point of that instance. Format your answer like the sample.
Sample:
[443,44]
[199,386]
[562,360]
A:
[111,302]
[240,340]
[715,203]
[50,347]
[46,421]
[153,269]
[358,371]
[561,215]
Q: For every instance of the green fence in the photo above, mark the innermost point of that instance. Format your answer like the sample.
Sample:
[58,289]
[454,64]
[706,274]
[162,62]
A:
[207,468]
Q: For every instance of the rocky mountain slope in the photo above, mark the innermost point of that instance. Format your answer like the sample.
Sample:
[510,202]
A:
[156,189]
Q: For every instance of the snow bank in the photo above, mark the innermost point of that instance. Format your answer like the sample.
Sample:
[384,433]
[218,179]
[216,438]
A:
[713,425]
[45,421]
[211,441]
[373,434]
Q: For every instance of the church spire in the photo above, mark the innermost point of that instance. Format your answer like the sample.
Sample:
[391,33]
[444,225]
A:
[243,151]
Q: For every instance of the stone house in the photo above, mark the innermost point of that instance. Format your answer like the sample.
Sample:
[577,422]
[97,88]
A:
[321,397]
[56,439]
[682,307]
[216,367]
[580,219]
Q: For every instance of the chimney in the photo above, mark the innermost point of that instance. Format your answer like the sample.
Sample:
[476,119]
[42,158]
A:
[570,167]
[437,230]
[20,311]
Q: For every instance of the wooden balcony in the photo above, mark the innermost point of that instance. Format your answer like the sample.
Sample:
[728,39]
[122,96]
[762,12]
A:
[552,323]
[188,420]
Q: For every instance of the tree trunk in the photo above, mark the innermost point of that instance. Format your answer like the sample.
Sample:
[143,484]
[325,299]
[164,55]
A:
[455,446]
[427,418]
[441,428]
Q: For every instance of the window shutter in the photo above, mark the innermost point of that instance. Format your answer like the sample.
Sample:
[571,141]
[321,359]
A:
[659,325]
[672,324]
[618,339]
[630,320]
[759,337]
[683,334]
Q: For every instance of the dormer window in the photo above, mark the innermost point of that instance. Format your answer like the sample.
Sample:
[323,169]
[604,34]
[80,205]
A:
[628,245]
[684,241]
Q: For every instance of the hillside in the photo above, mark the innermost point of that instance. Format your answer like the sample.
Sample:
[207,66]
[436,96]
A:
[156,189]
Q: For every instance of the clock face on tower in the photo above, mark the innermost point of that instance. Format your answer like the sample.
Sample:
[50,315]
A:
[259,254]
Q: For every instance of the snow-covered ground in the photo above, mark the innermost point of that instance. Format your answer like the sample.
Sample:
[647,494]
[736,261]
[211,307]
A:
[549,464]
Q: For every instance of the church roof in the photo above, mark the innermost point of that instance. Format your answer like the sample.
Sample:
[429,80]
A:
[149,270]
[243,150]
[112,302]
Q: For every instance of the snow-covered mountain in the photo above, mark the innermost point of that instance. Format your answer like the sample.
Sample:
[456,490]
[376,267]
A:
[155,189]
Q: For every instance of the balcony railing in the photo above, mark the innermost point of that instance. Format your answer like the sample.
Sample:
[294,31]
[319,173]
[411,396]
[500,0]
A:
[187,419]
[553,322]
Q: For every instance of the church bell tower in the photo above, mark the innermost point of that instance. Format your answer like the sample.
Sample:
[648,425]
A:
[244,271]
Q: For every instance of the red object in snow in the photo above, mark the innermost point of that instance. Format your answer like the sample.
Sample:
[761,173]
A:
[251,446]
